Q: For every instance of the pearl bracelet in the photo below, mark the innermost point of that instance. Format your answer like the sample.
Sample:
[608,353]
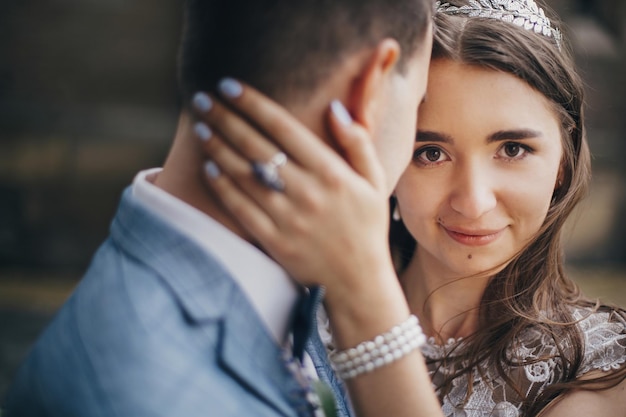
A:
[380,351]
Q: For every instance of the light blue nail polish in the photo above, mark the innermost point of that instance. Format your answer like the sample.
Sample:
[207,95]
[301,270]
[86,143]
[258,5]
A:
[203,131]
[230,87]
[340,112]
[202,102]
[211,169]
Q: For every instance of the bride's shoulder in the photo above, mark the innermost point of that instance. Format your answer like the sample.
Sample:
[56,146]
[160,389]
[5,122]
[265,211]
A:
[603,333]
[601,340]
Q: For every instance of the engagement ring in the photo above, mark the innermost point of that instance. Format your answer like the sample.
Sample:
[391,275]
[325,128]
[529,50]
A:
[267,173]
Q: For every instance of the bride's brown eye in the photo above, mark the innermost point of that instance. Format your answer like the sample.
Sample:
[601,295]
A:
[512,149]
[432,154]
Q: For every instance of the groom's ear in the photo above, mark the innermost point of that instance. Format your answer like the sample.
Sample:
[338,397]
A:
[371,87]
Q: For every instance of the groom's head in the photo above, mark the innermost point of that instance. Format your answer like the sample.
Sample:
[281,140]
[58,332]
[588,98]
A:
[371,54]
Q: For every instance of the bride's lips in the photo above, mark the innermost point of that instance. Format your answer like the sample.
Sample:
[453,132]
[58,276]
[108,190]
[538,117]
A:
[474,237]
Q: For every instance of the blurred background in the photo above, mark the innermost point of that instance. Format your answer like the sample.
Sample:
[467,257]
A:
[88,98]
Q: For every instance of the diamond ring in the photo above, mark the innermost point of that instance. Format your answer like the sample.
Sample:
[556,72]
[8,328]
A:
[267,173]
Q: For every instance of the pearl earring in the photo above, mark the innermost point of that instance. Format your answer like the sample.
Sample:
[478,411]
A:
[396,214]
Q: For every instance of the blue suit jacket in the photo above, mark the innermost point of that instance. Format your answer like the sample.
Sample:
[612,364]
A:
[158,328]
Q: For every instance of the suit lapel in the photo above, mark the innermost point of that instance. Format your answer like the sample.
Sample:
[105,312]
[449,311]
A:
[317,351]
[251,355]
[207,294]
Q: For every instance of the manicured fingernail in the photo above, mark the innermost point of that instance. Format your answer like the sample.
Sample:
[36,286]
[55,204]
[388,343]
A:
[341,113]
[203,131]
[211,169]
[230,87]
[202,102]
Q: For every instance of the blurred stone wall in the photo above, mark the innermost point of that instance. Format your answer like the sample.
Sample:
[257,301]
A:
[598,32]
[87,98]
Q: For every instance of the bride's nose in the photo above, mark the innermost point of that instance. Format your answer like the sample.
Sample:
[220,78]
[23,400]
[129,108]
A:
[473,193]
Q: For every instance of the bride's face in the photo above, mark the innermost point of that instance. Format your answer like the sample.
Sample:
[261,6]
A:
[485,166]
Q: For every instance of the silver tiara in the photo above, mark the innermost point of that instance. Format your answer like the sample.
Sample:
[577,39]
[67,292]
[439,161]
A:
[523,13]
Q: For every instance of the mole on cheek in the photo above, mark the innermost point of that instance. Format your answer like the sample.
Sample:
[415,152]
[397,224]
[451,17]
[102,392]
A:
[469,256]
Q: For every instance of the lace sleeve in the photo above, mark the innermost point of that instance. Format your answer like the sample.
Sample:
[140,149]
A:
[605,341]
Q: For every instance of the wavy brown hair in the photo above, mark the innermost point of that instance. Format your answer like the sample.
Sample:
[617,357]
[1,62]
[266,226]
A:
[534,281]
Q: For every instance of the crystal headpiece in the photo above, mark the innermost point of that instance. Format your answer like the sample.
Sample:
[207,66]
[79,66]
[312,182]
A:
[523,13]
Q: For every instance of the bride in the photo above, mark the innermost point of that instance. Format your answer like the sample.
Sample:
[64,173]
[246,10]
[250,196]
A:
[500,161]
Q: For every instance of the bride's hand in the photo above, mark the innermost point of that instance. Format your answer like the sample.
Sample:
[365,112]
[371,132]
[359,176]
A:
[328,226]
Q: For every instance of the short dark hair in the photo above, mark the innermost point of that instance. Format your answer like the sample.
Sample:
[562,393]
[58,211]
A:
[284,47]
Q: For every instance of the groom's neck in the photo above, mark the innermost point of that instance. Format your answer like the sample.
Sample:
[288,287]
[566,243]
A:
[183,177]
[183,174]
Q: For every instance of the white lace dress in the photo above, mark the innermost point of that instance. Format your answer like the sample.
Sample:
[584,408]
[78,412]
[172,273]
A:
[605,349]
[490,396]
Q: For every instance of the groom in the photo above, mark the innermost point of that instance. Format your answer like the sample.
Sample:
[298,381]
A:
[179,313]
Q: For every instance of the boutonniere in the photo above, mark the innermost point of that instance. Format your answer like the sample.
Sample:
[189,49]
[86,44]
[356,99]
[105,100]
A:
[326,399]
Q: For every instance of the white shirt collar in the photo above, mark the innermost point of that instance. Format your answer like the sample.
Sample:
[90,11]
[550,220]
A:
[270,290]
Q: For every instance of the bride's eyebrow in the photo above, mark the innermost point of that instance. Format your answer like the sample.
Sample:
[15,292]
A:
[429,136]
[514,134]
